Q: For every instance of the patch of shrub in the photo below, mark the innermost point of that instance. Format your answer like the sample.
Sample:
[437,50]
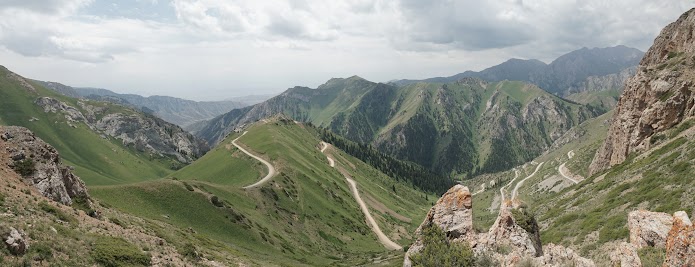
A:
[189,251]
[117,222]
[116,252]
[216,201]
[438,251]
[188,186]
[651,256]
[82,202]
[41,252]
[57,212]
[24,167]
[525,219]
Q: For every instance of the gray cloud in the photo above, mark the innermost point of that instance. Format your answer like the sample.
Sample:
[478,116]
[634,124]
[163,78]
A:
[468,25]
[237,43]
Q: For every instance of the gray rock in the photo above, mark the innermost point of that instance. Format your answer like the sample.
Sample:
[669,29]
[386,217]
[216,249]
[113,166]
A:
[649,228]
[50,176]
[16,243]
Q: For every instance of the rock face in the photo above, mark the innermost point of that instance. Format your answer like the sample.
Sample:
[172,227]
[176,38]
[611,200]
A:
[144,132]
[648,228]
[514,231]
[16,243]
[625,255]
[680,244]
[40,166]
[658,97]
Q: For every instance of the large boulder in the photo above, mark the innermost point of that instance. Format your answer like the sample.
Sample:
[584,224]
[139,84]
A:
[453,213]
[648,229]
[680,244]
[625,255]
[16,243]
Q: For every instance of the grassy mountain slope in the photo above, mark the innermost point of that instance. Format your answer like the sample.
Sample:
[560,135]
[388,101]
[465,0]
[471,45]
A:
[466,127]
[591,216]
[304,215]
[97,160]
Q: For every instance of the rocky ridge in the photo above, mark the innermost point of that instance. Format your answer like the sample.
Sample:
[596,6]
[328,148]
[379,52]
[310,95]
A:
[144,132]
[41,166]
[658,97]
[518,234]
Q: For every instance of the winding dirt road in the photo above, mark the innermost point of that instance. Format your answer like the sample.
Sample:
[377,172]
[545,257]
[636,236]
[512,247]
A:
[564,173]
[502,189]
[515,192]
[331,162]
[370,220]
[271,169]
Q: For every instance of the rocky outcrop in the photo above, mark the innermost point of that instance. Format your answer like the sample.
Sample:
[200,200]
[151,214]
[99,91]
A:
[507,231]
[515,232]
[453,212]
[53,105]
[41,167]
[150,134]
[648,228]
[625,255]
[16,242]
[142,131]
[658,97]
[680,244]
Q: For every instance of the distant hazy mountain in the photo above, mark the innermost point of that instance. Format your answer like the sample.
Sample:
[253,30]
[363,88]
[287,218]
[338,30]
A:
[469,126]
[251,99]
[175,110]
[565,75]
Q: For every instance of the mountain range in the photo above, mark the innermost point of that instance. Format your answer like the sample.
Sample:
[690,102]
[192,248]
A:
[565,75]
[178,111]
[466,127]
[531,164]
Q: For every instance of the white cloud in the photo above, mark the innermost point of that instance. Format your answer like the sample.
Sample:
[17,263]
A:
[271,45]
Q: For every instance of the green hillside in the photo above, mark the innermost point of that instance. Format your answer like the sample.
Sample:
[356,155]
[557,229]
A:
[97,160]
[305,215]
[466,127]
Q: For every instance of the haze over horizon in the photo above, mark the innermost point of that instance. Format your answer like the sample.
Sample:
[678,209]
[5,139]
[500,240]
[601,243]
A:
[211,50]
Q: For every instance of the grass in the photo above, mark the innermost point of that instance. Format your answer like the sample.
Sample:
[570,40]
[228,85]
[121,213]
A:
[304,215]
[237,170]
[116,252]
[97,161]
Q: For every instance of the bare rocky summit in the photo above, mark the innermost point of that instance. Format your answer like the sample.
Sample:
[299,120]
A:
[41,167]
[658,97]
[516,233]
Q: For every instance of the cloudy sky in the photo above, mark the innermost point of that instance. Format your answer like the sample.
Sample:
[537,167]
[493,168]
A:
[213,49]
